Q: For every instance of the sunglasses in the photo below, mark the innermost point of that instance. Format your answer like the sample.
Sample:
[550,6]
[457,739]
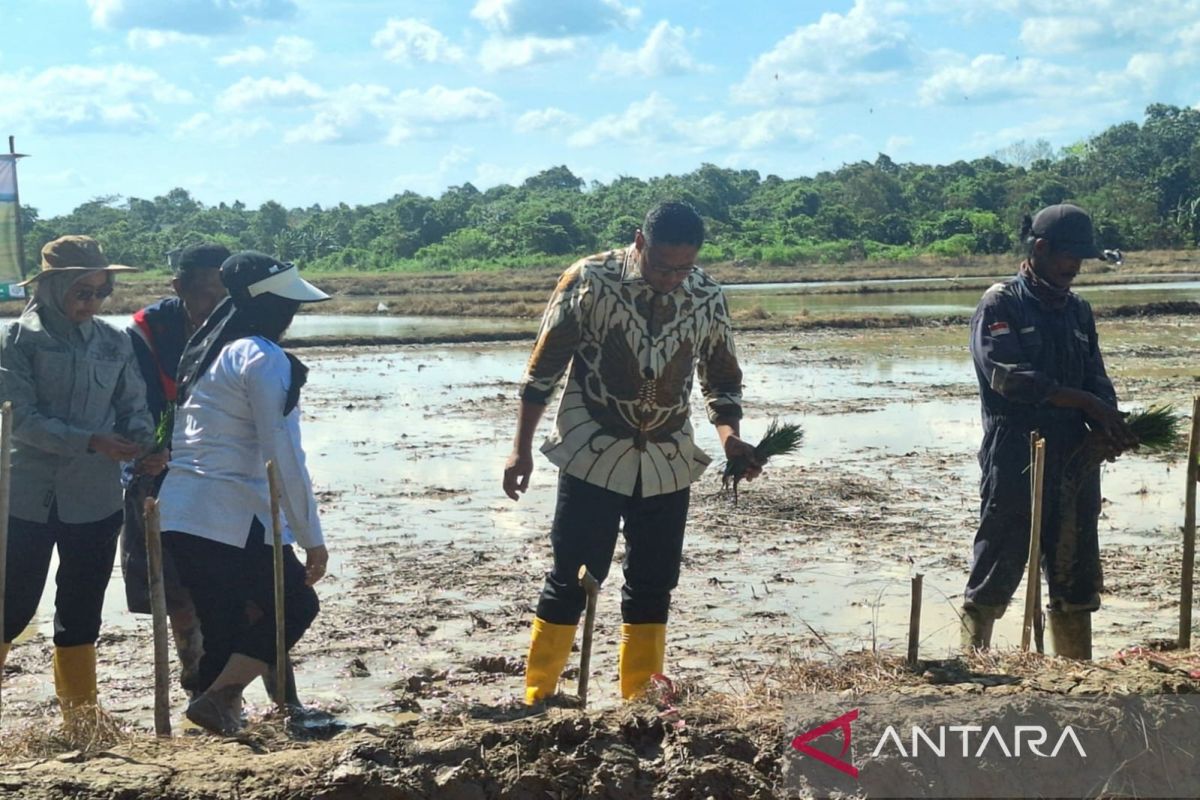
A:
[673,271]
[86,295]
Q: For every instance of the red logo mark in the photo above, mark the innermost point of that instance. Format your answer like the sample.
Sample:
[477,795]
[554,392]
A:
[842,723]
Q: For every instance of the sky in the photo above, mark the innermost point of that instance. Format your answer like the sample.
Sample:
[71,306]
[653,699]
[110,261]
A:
[325,101]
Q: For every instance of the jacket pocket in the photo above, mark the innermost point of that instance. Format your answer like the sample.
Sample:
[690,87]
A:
[101,384]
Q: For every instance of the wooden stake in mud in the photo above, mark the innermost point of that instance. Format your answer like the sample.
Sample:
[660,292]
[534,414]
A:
[1033,576]
[158,611]
[5,465]
[590,589]
[277,542]
[914,620]
[1189,531]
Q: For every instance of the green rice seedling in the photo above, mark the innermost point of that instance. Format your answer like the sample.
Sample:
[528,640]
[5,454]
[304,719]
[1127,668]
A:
[780,439]
[1157,429]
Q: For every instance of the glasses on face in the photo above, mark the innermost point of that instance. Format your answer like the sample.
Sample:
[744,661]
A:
[87,294]
[674,272]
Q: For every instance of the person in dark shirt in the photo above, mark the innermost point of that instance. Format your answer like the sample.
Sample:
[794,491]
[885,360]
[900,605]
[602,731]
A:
[1037,358]
[159,333]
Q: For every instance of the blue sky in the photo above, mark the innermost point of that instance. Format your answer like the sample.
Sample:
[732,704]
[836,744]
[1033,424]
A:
[307,101]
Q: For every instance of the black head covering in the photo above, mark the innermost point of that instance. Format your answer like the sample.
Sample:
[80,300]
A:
[243,314]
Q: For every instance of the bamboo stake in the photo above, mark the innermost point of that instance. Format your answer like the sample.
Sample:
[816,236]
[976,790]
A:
[1033,576]
[914,620]
[5,468]
[1189,532]
[277,543]
[158,611]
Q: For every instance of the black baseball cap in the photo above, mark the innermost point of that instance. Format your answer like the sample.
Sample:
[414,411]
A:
[208,255]
[1068,228]
[249,274]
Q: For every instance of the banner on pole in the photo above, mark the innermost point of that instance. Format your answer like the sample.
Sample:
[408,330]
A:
[10,249]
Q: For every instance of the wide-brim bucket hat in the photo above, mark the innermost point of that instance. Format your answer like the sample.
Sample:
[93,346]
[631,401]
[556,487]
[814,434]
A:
[81,254]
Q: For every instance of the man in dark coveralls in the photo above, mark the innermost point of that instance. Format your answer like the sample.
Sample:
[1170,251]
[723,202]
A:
[1037,358]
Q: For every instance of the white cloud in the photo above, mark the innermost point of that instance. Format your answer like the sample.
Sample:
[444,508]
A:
[292,91]
[247,55]
[204,125]
[290,51]
[553,18]
[663,53]
[1148,69]
[144,39]
[1067,26]
[831,59]
[368,113]
[456,156]
[294,50]
[196,123]
[642,122]
[753,131]
[82,99]
[1062,34]
[545,119]
[412,40]
[439,104]
[656,121]
[991,78]
[205,17]
[502,54]
[352,114]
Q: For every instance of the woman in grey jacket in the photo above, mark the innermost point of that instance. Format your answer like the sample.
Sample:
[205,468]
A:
[79,410]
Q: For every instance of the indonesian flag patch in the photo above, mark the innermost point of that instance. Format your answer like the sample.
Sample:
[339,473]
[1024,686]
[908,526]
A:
[998,328]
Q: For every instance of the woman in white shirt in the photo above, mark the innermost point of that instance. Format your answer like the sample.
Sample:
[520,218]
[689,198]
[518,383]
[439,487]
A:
[237,409]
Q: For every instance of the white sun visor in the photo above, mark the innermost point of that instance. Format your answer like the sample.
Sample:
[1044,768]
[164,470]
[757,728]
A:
[287,283]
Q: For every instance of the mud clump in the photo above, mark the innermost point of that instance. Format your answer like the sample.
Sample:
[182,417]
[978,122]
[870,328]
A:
[626,753]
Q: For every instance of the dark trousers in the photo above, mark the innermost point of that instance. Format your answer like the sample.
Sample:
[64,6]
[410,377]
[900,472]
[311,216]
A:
[586,521]
[133,553]
[233,589]
[85,561]
[1070,537]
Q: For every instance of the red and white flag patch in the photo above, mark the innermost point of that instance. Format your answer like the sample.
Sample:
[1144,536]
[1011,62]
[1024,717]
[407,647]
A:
[998,328]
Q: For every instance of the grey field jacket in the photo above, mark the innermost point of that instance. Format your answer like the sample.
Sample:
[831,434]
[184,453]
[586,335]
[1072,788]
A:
[63,390]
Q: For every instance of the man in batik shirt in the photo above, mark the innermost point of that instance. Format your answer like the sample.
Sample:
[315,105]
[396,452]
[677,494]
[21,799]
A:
[634,325]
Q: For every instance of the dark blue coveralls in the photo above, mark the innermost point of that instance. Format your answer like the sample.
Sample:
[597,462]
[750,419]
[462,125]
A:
[1023,351]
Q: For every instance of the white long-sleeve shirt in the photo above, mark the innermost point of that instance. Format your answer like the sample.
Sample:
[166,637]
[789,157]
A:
[231,424]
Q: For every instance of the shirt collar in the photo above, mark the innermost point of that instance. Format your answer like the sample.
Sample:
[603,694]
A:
[631,266]
[631,272]
[86,329]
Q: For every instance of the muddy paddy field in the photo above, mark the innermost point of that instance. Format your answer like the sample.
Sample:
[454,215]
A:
[801,590]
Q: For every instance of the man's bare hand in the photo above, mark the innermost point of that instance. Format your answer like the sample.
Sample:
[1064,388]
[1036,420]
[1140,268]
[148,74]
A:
[738,448]
[517,470]
[115,446]
[1111,422]
[153,464]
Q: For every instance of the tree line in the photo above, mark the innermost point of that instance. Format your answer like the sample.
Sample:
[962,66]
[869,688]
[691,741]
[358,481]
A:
[1141,182]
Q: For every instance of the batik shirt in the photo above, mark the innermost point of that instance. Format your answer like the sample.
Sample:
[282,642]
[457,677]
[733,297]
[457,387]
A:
[632,353]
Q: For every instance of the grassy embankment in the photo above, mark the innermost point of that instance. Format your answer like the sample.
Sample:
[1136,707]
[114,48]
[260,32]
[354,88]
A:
[521,294]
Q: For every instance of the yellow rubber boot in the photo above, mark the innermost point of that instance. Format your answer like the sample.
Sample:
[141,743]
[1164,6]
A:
[549,648]
[641,655]
[75,681]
